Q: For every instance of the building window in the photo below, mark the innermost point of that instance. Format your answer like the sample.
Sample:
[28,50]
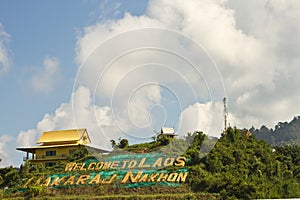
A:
[50,153]
[50,164]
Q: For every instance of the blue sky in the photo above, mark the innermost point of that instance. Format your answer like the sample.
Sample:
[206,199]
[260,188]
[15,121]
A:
[38,30]
[247,51]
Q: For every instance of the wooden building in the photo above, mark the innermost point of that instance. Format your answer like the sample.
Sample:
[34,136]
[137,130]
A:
[56,146]
[168,132]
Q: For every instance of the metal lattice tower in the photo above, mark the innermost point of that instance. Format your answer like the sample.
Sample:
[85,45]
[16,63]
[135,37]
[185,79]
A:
[225,112]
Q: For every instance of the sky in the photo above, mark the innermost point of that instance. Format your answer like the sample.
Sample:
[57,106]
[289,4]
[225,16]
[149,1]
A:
[127,68]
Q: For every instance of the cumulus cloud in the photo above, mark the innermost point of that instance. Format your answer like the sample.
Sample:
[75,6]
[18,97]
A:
[199,117]
[46,78]
[78,113]
[240,56]
[4,153]
[5,58]
[275,26]
[254,44]
[204,117]
[139,112]
[29,138]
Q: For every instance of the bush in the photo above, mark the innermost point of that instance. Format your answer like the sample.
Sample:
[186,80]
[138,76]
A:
[34,191]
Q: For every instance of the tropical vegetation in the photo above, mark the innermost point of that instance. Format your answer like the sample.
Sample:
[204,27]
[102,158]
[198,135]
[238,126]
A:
[235,166]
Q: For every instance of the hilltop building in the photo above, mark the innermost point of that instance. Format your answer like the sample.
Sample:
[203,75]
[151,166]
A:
[56,146]
[167,131]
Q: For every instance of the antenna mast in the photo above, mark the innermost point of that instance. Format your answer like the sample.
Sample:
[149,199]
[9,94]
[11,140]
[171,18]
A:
[225,112]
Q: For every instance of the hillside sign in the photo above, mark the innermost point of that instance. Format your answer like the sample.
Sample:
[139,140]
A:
[129,170]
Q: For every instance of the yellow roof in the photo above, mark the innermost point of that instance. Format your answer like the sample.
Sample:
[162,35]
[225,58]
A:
[32,149]
[74,135]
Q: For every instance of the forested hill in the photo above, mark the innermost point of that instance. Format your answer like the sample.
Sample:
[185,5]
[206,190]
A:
[284,133]
[242,167]
[237,167]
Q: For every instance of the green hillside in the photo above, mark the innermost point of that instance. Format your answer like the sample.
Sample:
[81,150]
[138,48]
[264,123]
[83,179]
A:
[284,133]
[238,166]
[243,167]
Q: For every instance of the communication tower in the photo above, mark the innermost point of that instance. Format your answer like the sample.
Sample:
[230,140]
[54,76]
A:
[225,112]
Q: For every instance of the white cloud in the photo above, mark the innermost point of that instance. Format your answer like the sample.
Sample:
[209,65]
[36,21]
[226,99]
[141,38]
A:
[140,103]
[84,115]
[198,117]
[256,46]
[30,137]
[5,58]
[207,117]
[4,153]
[241,57]
[47,77]
[275,24]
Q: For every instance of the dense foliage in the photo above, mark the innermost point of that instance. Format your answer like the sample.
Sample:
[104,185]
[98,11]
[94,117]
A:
[284,133]
[235,166]
[240,166]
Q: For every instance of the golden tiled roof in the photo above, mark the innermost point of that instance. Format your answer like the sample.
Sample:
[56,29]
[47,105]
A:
[74,135]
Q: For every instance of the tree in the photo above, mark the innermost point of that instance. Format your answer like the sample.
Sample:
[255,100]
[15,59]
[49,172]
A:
[243,167]
[113,143]
[123,143]
[164,140]
[193,152]
[80,153]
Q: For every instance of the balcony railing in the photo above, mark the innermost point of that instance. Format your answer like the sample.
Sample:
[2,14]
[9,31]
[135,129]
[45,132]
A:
[44,157]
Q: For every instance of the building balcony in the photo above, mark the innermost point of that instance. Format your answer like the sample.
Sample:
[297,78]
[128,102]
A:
[44,157]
